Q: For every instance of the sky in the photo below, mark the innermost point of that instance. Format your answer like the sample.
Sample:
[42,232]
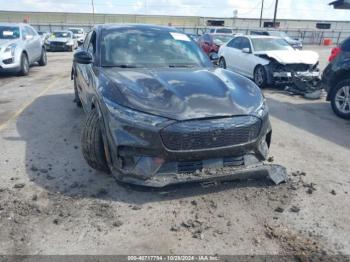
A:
[291,9]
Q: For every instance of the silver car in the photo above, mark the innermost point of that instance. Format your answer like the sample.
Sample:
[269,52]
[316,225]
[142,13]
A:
[20,46]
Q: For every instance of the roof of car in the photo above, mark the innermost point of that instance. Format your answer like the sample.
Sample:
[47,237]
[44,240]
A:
[261,36]
[14,24]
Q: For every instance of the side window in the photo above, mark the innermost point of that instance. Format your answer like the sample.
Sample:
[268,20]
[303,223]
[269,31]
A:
[207,38]
[32,31]
[29,31]
[212,31]
[87,40]
[346,45]
[235,43]
[245,43]
[92,43]
[24,33]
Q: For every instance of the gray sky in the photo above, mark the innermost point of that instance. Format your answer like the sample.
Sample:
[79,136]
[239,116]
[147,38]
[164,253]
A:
[296,9]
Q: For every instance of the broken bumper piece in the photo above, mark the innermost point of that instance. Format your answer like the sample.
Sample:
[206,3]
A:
[275,173]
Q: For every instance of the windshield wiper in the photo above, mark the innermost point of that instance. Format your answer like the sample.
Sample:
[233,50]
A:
[121,66]
[181,65]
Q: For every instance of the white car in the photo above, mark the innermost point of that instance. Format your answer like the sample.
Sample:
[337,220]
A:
[78,34]
[269,60]
[61,41]
[20,47]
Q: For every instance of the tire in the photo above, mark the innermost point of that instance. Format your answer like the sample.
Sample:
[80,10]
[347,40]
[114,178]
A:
[92,143]
[260,76]
[43,58]
[77,100]
[24,68]
[222,63]
[340,99]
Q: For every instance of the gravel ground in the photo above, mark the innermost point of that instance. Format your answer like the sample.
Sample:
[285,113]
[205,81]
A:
[51,202]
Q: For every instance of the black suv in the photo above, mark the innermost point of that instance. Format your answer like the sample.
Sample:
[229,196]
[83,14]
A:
[336,79]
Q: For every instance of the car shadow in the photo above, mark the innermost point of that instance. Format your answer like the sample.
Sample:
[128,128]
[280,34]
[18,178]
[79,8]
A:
[50,128]
[315,117]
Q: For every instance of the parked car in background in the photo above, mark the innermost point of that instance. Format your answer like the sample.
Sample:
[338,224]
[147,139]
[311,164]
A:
[295,43]
[210,43]
[336,79]
[20,47]
[270,61]
[221,30]
[61,41]
[78,34]
[155,116]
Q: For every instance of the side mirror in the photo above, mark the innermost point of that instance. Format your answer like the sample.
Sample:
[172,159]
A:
[82,57]
[214,58]
[246,50]
[29,37]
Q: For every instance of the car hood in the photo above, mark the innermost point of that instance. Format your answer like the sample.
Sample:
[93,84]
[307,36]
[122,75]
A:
[292,56]
[6,42]
[183,94]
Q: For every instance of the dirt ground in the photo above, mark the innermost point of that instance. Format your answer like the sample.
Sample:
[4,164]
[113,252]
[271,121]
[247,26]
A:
[51,202]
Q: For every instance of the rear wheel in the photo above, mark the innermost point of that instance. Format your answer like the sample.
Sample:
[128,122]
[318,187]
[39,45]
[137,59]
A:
[222,63]
[260,76]
[24,69]
[340,99]
[92,143]
[43,58]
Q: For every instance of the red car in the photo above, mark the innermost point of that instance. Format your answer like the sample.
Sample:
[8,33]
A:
[210,43]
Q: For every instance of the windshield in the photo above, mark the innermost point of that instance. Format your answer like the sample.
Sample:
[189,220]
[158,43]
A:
[270,44]
[76,31]
[221,39]
[62,34]
[148,48]
[278,33]
[9,32]
[224,31]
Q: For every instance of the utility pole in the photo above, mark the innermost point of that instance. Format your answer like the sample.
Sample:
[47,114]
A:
[261,13]
[275,15]
[93,11]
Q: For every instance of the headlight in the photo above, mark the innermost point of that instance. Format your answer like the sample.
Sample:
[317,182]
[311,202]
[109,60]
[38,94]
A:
[11,48]
[134,116]
[262,110]
[70,43]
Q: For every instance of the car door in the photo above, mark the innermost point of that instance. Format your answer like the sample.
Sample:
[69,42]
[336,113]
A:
[32,43]
[85,74]
[232,53]
[248,59]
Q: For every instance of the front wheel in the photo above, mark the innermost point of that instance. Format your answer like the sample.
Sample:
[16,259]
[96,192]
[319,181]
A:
[24,68]
[92,143]
[222,63]
[260,76]
[43,58]
[77,100]
[340,99]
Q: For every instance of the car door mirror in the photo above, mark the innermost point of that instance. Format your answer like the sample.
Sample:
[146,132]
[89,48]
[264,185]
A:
[246,50]
[214,58]
[29,37]
[82,57]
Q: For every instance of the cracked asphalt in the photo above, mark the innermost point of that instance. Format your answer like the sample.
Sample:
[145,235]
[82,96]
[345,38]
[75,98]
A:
[51,202]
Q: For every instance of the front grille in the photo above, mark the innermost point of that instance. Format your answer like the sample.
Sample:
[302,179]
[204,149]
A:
[57,44]
[211,133]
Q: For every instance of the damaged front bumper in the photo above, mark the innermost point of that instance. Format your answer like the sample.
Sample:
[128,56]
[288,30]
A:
[214,171]
[305,83]
[176,152]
